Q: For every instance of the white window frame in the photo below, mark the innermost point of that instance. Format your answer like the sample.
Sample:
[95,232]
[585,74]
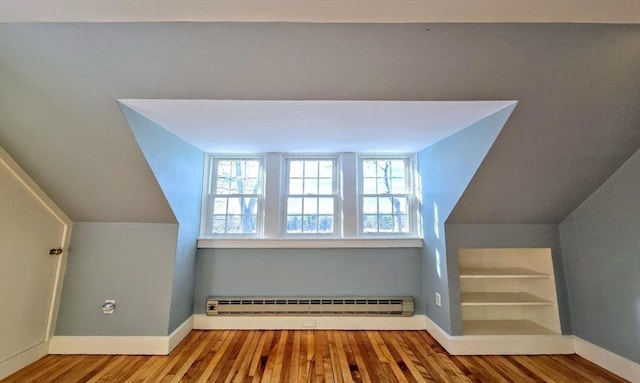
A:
[208,195]
[412,214]
[271,229]
[336,195]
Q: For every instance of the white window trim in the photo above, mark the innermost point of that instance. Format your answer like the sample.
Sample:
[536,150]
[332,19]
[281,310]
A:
[209,175]
[337,206]
[310,243]
[411,175]
[348,233]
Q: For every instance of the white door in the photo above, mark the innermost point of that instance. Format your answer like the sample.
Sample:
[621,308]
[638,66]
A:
[30,227]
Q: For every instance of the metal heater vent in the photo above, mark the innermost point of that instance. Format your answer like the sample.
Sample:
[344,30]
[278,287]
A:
[341,306]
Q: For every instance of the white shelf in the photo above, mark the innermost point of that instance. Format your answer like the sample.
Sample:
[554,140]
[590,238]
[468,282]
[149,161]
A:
[502,299]
[511,272]
[505,327]
[508,291]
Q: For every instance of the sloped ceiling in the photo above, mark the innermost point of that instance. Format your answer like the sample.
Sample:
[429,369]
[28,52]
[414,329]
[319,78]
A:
[577,119]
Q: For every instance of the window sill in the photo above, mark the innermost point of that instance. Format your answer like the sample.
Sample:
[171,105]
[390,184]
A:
[334,243]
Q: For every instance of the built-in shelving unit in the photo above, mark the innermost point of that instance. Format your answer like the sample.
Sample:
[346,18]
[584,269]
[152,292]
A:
[508,292]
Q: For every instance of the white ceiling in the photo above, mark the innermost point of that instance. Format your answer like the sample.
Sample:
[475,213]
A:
[326,11]
[313,126]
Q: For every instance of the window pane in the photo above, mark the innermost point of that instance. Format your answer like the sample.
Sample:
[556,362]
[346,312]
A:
[370,205]
[326,169]
[369,186]
[383,186]
[384,205]
[386,223]
[401,224]
[233,186]
[218,224]
[368,168]
[295,186]
[235,206]
[249,223]
[325,206]
[294,224]
[325,186]
[311,169]
[253,169]
[397,168]
[325,224]
[295,168]
[400,205]
[294,206]
[310,186]
[251,185]
[224,168]
[370,223]
[220,206]
[310,206]
[222,186]
[234,224]
[309,224]
[398,185]
[250,205]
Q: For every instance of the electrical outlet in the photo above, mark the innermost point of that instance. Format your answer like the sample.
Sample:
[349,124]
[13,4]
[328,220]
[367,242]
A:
[109,306]
[438,300]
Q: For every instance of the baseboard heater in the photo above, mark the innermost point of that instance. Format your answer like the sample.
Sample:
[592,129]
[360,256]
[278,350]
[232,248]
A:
[320,306]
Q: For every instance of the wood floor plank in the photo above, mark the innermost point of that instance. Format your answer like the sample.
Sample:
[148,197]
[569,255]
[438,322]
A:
[334,359]
[509,369]
[377,370]
[409,358]
[358,355]
[429,361]
[385,355]
[217,357]
[279,357]
[585,369]
[213,341]
[285,356]
[262,350]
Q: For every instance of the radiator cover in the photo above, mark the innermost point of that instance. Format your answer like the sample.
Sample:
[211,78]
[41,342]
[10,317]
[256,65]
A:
[316,306]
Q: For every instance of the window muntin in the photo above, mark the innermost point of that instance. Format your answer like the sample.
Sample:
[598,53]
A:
[310,196]
[235,197]
[386,196]
[345,195]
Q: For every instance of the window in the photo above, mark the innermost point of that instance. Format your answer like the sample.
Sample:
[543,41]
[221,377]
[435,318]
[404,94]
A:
[385,195]
[288,196]
[234,196]
[311,196]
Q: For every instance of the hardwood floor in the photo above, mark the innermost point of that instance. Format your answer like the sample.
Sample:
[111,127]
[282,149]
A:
[311,356]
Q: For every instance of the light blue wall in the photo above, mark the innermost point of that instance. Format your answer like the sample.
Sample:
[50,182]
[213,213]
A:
[601,253]
[129,262]
[178,168]
[446,168]
[504,236]
[308,272]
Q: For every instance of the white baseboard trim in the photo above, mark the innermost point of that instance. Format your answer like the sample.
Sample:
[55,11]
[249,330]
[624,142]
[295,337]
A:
[501,344]
[23,359]
[110,345]
[121,345]
[180,333]
[204,322]
[608,360]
